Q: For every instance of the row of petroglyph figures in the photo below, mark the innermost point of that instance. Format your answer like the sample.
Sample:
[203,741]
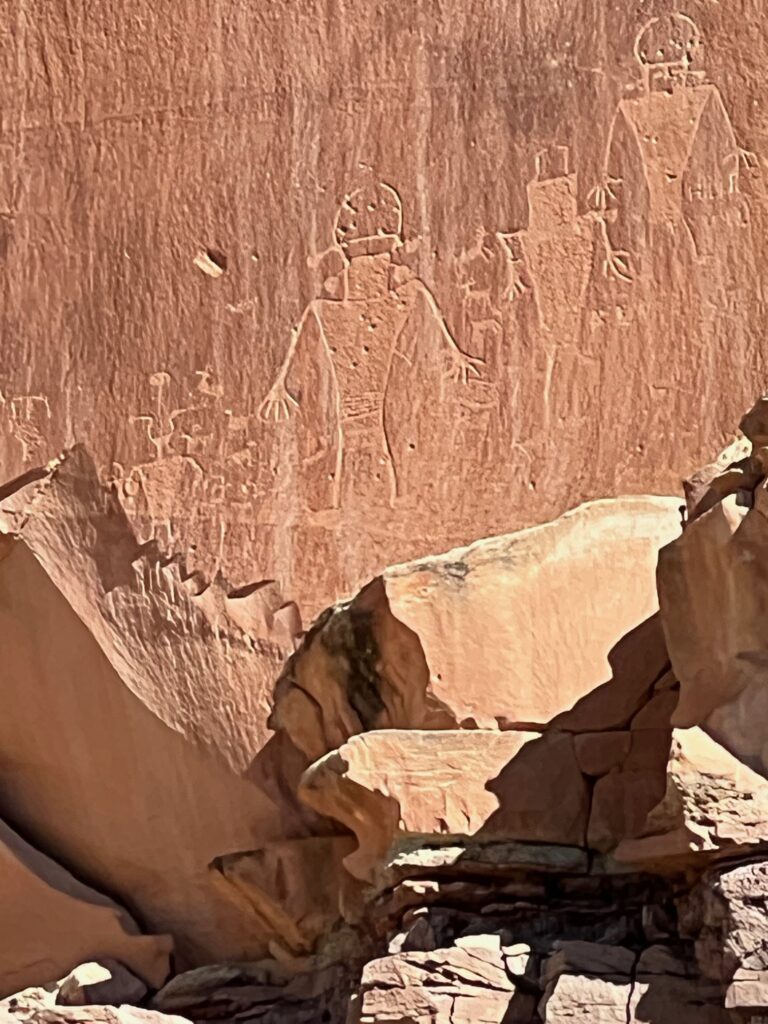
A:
[671,146]
[671,149]
[671,166]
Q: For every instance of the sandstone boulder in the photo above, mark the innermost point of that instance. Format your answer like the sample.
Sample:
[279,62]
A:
[748,991]
[713,595]
[459,985]
[712,589]
[713,804]
[51,922]
[265,991]
[610,985]
[726,914]
[562,603]
[390,785]
[90,1015]
[100,984]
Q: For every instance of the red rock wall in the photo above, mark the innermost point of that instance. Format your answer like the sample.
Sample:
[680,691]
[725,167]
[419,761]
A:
[571,192]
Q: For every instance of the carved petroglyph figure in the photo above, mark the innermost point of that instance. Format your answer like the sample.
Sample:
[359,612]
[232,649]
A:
[496,325]
[557,245]
[555,251]
[24,423]
[672,151]
[162,486]
[358,333]
[491,276]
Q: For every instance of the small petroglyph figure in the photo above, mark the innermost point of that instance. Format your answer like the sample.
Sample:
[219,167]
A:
[164,485]
[23,427]
[672,151]
[557,245]
[357,332]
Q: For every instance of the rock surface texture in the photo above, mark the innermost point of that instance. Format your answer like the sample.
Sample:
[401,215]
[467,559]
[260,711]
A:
[501,784]
[323,287]
[292,292]
[120,747]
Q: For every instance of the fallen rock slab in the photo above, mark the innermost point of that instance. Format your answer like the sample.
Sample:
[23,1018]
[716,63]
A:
[569,606]
[444,986]
[726,914]
[389,785]
[713,804]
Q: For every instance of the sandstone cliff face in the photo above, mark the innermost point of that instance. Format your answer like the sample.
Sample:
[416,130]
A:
[253,256]
[293,292]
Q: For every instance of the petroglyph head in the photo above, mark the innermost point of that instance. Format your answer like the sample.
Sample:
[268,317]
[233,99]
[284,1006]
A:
[671,41]
[369,221]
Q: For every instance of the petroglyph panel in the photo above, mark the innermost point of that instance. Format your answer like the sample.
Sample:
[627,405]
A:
[339,285]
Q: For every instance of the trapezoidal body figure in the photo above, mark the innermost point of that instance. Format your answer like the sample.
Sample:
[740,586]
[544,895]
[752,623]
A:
[672,155]
[347,344]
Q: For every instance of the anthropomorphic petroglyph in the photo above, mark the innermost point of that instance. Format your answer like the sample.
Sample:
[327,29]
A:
[557,245]
[499,324]
[672,153]
[491,278]
[675,228]
[24,421]
[381,313]
[556,250]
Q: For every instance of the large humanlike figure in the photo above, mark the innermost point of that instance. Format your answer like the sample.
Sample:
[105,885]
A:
[672,156]
[379,315]
[677,249]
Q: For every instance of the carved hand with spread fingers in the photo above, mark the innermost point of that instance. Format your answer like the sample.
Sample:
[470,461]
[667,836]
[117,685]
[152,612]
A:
[279,405]
[463,368]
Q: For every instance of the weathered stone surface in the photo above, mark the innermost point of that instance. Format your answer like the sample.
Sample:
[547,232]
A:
[671,999]
[712,589]
[444,986]
[588,958]
[570,606]
[264,991]
[100,984]
[708,485]
[610,985]
[712,803]
[589,982]
[266,368]
[486,857]
[598,752]
[621,802]
[392,783]
[748,991]
[159,699]
[726,913]
[298,888]
[51,922]
[93,1015]
[261,259]
[529,591]
[592,1000]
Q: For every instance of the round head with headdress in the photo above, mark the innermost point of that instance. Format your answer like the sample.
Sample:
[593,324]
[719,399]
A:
[670,41]
[369,221]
